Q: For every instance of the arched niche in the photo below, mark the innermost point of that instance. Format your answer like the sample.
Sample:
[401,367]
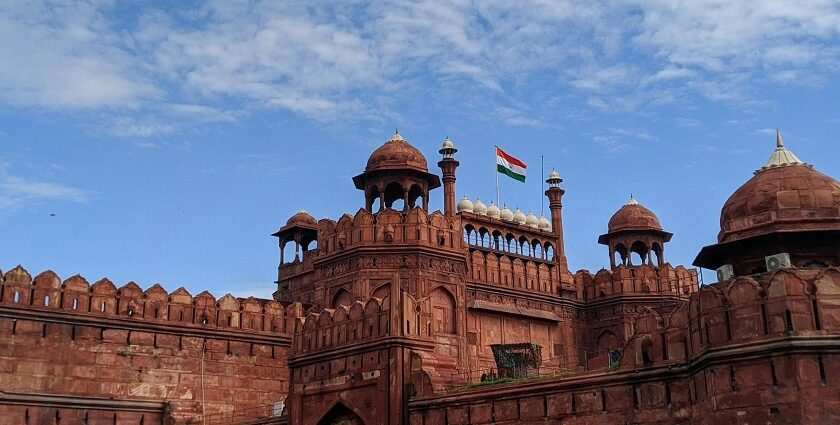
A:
[443,311]
[341,297]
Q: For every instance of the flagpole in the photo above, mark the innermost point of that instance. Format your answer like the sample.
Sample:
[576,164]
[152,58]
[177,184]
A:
[542,186]
[496,172]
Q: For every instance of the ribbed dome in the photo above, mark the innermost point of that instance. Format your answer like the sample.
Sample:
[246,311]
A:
[519,216]
[506,214]
[782,198]
[544,224]
[395,154]
[633,216]
[532,221]
[302,218]
[465,205]
[493,211]
[479,207]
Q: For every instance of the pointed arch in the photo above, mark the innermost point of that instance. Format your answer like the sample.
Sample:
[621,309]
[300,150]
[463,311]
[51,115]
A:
[340,414]
[341,297]
[606,341]
[443,311]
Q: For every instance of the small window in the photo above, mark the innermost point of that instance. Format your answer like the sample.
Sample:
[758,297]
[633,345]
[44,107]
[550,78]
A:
[47,301]
[102,306]
[75,303]
[130,312]
[16,297]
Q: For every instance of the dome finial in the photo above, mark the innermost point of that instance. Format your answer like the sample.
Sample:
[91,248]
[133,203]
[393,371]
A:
[396,136]
[632,201]
[781,156]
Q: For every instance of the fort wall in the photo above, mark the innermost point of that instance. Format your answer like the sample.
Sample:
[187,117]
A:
[73,351]
[762,347]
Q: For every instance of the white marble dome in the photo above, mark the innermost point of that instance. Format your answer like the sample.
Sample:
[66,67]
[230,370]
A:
[479,207]
[519,216]
[544,224]
[532,221]
[493,211]
[506,214]
[465,205]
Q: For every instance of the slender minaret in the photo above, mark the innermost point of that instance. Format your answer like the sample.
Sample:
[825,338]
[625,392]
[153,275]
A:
[555,204]
[448,165]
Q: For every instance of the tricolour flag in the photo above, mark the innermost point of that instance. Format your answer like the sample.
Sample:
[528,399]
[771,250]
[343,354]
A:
[510,166]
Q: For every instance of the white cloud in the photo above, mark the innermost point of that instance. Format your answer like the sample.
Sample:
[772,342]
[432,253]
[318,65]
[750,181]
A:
[160,71]
[62,55]
[16,191]
[130,127]
[732,41]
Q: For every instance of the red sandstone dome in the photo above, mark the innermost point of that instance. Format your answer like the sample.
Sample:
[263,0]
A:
[397,154]
[302,219]
[784,198]
[633,216]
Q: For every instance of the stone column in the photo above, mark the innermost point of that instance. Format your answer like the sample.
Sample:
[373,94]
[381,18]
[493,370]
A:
[555,204]
[448,166]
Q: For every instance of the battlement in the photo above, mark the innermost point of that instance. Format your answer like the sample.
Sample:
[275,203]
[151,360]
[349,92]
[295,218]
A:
[513,272]
[745,310]
[342,326]
[644,279]
[389,227]
[75,295]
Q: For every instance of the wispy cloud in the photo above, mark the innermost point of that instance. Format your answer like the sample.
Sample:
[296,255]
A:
[156,72]
[63,55]
[16,191]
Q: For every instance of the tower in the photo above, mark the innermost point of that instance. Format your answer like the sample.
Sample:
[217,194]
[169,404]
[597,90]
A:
[448,165]
[555,204]
[786,215]
[396,171]
[302,229]
[635,229]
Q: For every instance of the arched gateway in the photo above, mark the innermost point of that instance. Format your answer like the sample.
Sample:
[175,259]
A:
[341,415]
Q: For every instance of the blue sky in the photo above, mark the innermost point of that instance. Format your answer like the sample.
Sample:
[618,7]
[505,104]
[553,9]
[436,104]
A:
[170,140]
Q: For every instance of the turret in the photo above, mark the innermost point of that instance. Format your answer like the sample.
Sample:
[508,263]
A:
[635,229]
[448,164]
[555,204]
[397,170]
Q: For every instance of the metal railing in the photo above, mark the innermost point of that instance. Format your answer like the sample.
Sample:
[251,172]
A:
[551,368]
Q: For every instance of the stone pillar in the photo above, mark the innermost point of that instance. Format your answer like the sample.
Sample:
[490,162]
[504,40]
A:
[448,166]
[381,199]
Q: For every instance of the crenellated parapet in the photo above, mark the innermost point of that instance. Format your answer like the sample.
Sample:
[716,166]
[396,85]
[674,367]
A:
[76,295]
[388,227]
[344,325]
[513,272]
[645,279]
[745,311]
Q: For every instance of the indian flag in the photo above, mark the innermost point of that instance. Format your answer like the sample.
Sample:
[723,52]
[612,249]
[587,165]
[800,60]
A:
[509,165]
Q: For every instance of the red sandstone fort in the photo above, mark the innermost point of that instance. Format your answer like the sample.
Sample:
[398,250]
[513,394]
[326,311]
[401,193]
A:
[468,315]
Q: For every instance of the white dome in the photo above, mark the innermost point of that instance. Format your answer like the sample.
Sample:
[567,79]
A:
[553,175]
[479,207]
[465,205]
[447,144]
[506,214]
[532,221]
[493,211]
[544,224]
[519,216]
